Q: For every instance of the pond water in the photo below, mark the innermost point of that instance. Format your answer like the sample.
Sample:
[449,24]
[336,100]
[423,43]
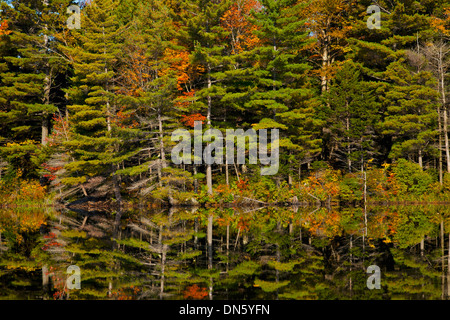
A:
[229,254]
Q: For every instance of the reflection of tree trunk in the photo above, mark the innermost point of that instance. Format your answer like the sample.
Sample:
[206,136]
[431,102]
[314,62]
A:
[163,265]
[163,261]
[210,252]
[351,260]
[45,281]
[228,245]
[442,255]
[448,267]
[277,272]
[209,240]
[300,234]
[442,243]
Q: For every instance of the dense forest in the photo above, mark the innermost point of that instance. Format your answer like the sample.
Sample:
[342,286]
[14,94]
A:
[90,111]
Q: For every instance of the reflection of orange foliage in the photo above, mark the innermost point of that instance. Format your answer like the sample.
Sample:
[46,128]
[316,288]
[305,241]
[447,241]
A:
[195,292]
[324,223]
[20,222]
[223,222]
[189,120]
[243,224]
[129,293]
[393,222]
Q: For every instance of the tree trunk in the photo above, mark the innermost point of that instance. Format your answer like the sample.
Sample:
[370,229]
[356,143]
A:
[325,61]
[444,104]
[45,281]
[209,240]
[347,125]
[208,119]
[46,97]
[448,267]
[422,247]
[420,159]
[441,179]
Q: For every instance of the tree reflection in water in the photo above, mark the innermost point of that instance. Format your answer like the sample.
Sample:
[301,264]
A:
[260,253]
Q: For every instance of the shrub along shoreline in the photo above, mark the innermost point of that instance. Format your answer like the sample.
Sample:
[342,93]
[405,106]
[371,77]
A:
[401,183]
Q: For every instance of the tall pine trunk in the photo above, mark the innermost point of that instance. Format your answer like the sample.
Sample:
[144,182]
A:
[47,87]
[208,122]
[440,164]
[441,67]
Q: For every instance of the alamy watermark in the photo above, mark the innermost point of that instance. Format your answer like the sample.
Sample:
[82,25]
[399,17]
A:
[74,280]
[74,21]
[374,281]
[214,151]
[374,21]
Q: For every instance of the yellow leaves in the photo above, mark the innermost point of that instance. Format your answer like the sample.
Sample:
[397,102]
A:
[18,144]
[31,190]
[20,221]
[442,25]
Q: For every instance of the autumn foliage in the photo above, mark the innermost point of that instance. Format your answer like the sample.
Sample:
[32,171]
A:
[189,121]
[195,292]
[4,28]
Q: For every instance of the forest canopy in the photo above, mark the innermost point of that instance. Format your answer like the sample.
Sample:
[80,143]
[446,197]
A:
[90,111]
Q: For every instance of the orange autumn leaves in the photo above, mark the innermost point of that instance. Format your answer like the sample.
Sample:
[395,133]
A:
[442,24]
[241,30]
[4,28]
[19,222]
[195,292]
[190,120]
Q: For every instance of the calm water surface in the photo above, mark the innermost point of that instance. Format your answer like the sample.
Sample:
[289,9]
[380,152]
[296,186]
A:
[268,253]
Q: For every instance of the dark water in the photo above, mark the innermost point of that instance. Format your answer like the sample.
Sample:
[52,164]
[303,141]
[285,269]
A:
[269,253]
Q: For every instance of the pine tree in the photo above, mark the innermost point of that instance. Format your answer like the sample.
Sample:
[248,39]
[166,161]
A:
[96,144]
[29,67]
[205,32]
[282,96]
[148,87]
[352,118]
[412,118]
[380,55]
